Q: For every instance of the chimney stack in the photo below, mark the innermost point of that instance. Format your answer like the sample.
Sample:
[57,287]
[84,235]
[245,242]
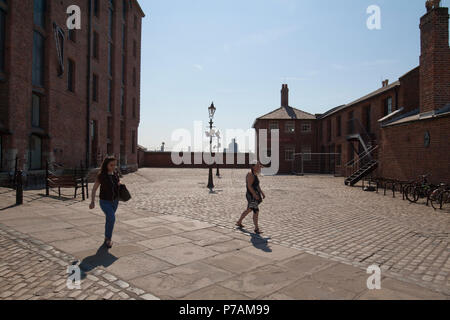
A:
[434,58]
[284,95]
[385,83]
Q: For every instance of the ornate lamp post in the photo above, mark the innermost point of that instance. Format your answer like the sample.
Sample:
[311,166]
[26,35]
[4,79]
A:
[212,111]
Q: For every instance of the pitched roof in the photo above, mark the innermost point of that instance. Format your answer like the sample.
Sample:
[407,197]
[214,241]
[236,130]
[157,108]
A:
[366,97]
[287,113]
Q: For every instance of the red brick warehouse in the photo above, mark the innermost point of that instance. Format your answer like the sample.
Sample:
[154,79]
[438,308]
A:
[69,96]
[399,131]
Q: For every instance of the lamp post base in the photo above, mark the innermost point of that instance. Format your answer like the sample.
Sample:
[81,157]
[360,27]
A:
[218,172]
[210,179]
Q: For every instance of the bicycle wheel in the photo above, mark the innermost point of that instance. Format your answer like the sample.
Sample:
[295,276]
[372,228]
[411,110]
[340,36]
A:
[412,194]
[436,199]
[445,200]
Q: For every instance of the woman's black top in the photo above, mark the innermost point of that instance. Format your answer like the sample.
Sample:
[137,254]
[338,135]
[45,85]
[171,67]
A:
[255,186]
[109,187]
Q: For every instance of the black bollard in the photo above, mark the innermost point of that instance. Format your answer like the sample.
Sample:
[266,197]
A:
[19,188]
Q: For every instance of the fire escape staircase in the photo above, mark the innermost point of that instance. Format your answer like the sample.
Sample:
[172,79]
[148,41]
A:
[366,162]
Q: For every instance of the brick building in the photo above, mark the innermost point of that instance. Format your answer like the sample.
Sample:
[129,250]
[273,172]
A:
[400,130]
[69,96]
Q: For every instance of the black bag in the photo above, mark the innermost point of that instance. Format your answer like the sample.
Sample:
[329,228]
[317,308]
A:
[124,194]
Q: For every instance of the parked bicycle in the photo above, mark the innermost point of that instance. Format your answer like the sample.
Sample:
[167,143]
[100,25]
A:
[420,189]
[440,197]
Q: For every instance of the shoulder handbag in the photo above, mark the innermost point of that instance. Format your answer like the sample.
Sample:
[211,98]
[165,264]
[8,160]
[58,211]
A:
[124,194]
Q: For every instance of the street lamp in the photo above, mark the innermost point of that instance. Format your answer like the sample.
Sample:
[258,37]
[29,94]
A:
[212,111]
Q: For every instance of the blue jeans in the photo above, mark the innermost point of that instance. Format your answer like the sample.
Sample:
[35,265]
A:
[109,209]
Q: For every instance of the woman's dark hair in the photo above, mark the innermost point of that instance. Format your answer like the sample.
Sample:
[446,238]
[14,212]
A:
[104,169]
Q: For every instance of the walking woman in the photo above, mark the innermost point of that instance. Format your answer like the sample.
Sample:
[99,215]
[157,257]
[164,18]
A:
[254,196]
[108,181]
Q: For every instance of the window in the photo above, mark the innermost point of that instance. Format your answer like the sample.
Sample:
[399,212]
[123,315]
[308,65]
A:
[273,125]
[109,129]
[289,127]
[134,77]
[95,88]
[95,45]
[123,69]
[135,22]
[39,13]
[109,95]
[388,106]
[35,153]
[351,126]
[289,153]
[122,102]
[351,152]
[329,129]
[35,111]
[134,48]
[122,131]
[71,76]
[96,8]
[38,59]
[134,107]
[72,35]
[339,155]
[306,153]
[338,126]
[2,39]
[368,118]
[111,23]
[306,127]
[124,9]
[133,142]
[110,59]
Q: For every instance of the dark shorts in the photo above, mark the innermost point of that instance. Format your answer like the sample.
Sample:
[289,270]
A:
[252,203]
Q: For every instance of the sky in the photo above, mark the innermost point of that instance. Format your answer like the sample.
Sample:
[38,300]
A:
[237,53]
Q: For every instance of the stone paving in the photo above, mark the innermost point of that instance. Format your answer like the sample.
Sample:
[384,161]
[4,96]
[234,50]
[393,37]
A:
[175,240]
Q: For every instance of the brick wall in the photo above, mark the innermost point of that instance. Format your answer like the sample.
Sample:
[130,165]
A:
[403,154]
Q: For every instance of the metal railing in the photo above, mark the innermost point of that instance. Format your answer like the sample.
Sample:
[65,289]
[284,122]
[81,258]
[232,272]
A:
[355,164]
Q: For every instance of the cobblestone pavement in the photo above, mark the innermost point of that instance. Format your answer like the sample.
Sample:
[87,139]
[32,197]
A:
[177,240]
[318,214]
[33,270]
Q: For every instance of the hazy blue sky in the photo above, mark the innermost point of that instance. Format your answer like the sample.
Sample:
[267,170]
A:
[237,53]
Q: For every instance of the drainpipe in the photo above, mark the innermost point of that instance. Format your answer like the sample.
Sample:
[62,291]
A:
[88,91]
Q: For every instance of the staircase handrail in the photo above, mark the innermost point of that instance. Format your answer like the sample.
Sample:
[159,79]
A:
[365,154]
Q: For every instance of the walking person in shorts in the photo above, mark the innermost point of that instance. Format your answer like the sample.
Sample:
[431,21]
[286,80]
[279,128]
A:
[254,196]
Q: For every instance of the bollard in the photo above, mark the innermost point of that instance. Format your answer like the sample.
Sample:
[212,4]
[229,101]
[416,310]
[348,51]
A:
[19,188]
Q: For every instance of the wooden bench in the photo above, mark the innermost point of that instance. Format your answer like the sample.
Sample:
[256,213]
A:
[65,179]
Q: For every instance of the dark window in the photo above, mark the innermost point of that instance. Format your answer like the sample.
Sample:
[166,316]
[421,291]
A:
[135,79]
[95,45]
[95,88]
[289,153]
[124,9]
[135,23]
[109,128]
[111,22]
[123,37]
[109,95]
[351,124]
[2,39]
[339,155]
[388,106]
[110,59]
[96,8]
[122,131]
[329,130]
[123,68]
[122,102]
[35,111]
[72,35]
[134,107]
[38,59]
[368,119]
[39,13]
[133,142]
[351,152]
[134,48]
[35,153]
[338,126]
[71,76]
